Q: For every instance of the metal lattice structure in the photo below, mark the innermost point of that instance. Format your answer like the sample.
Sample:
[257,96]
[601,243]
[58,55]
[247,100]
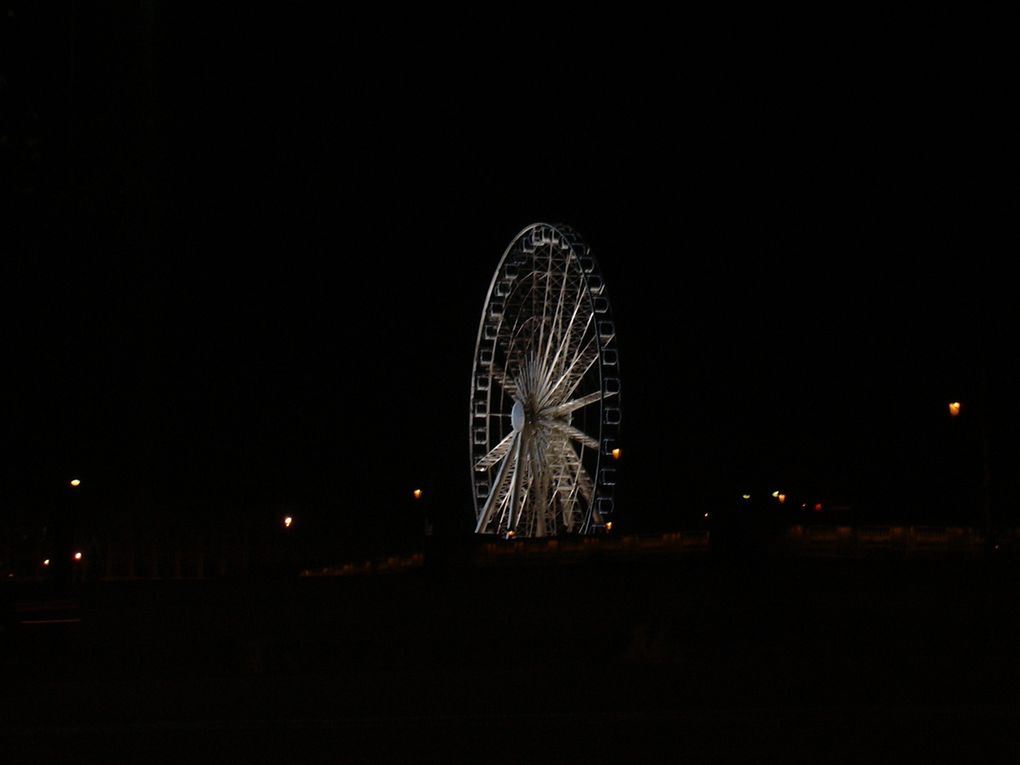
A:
[545,391]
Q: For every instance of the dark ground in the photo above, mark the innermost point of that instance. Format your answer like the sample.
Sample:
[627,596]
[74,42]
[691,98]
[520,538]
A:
[695,659]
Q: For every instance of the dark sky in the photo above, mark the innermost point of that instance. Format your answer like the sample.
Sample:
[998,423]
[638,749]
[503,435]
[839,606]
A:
[249,251]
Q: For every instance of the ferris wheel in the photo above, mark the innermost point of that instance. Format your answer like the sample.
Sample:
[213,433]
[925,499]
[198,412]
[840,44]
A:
[545,392]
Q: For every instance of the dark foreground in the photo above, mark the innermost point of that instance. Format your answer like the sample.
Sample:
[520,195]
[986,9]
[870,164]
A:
[616,660]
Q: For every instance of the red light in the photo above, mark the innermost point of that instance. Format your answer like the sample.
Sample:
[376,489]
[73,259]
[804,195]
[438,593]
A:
[818,506]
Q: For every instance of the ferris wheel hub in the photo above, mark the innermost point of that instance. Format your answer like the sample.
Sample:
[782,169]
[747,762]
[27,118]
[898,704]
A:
[517,417]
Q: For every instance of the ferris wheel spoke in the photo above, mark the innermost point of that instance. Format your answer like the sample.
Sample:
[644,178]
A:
[497,492]
[582,480]
[564,489]
[545,301]
[496,454]
[512,516]
[538,490]
[578,403]
[506,383]
[574,369]
[583,361]
[567,336]
[557,319]
[574,433]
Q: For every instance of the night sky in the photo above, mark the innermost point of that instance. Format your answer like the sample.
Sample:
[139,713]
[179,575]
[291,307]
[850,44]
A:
[245,256]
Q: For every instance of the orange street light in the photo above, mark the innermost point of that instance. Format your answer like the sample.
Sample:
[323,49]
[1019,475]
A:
[954,408]
[416,493]
[616,453]
[287,521]
[609,526]
[781,498]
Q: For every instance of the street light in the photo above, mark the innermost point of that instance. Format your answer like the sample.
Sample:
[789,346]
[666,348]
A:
[75,483]
[77,556]
[954,408]
[416,493]
[287,521]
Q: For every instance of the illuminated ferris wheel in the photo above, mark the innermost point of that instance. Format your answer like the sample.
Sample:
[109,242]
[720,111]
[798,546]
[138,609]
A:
[545,392]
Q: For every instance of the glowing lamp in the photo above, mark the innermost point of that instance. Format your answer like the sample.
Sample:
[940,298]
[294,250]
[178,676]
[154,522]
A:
[706,515]
[609,526]
[75,483]
[776,494]
[417,493]
[746,496]
[287,521]
[46,562]
[781,498]
[954,408]
[77,556]
[616,454]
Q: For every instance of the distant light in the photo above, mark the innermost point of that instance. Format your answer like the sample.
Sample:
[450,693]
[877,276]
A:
[77,556]
[954,408]
[803,505]
[746,496]
[706,515]
[287,521]
[616,453]
[609,526]
[510,534]
[46,562]
[781,498]
[75,483]
[776,493]
[818,507]
[417,493]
